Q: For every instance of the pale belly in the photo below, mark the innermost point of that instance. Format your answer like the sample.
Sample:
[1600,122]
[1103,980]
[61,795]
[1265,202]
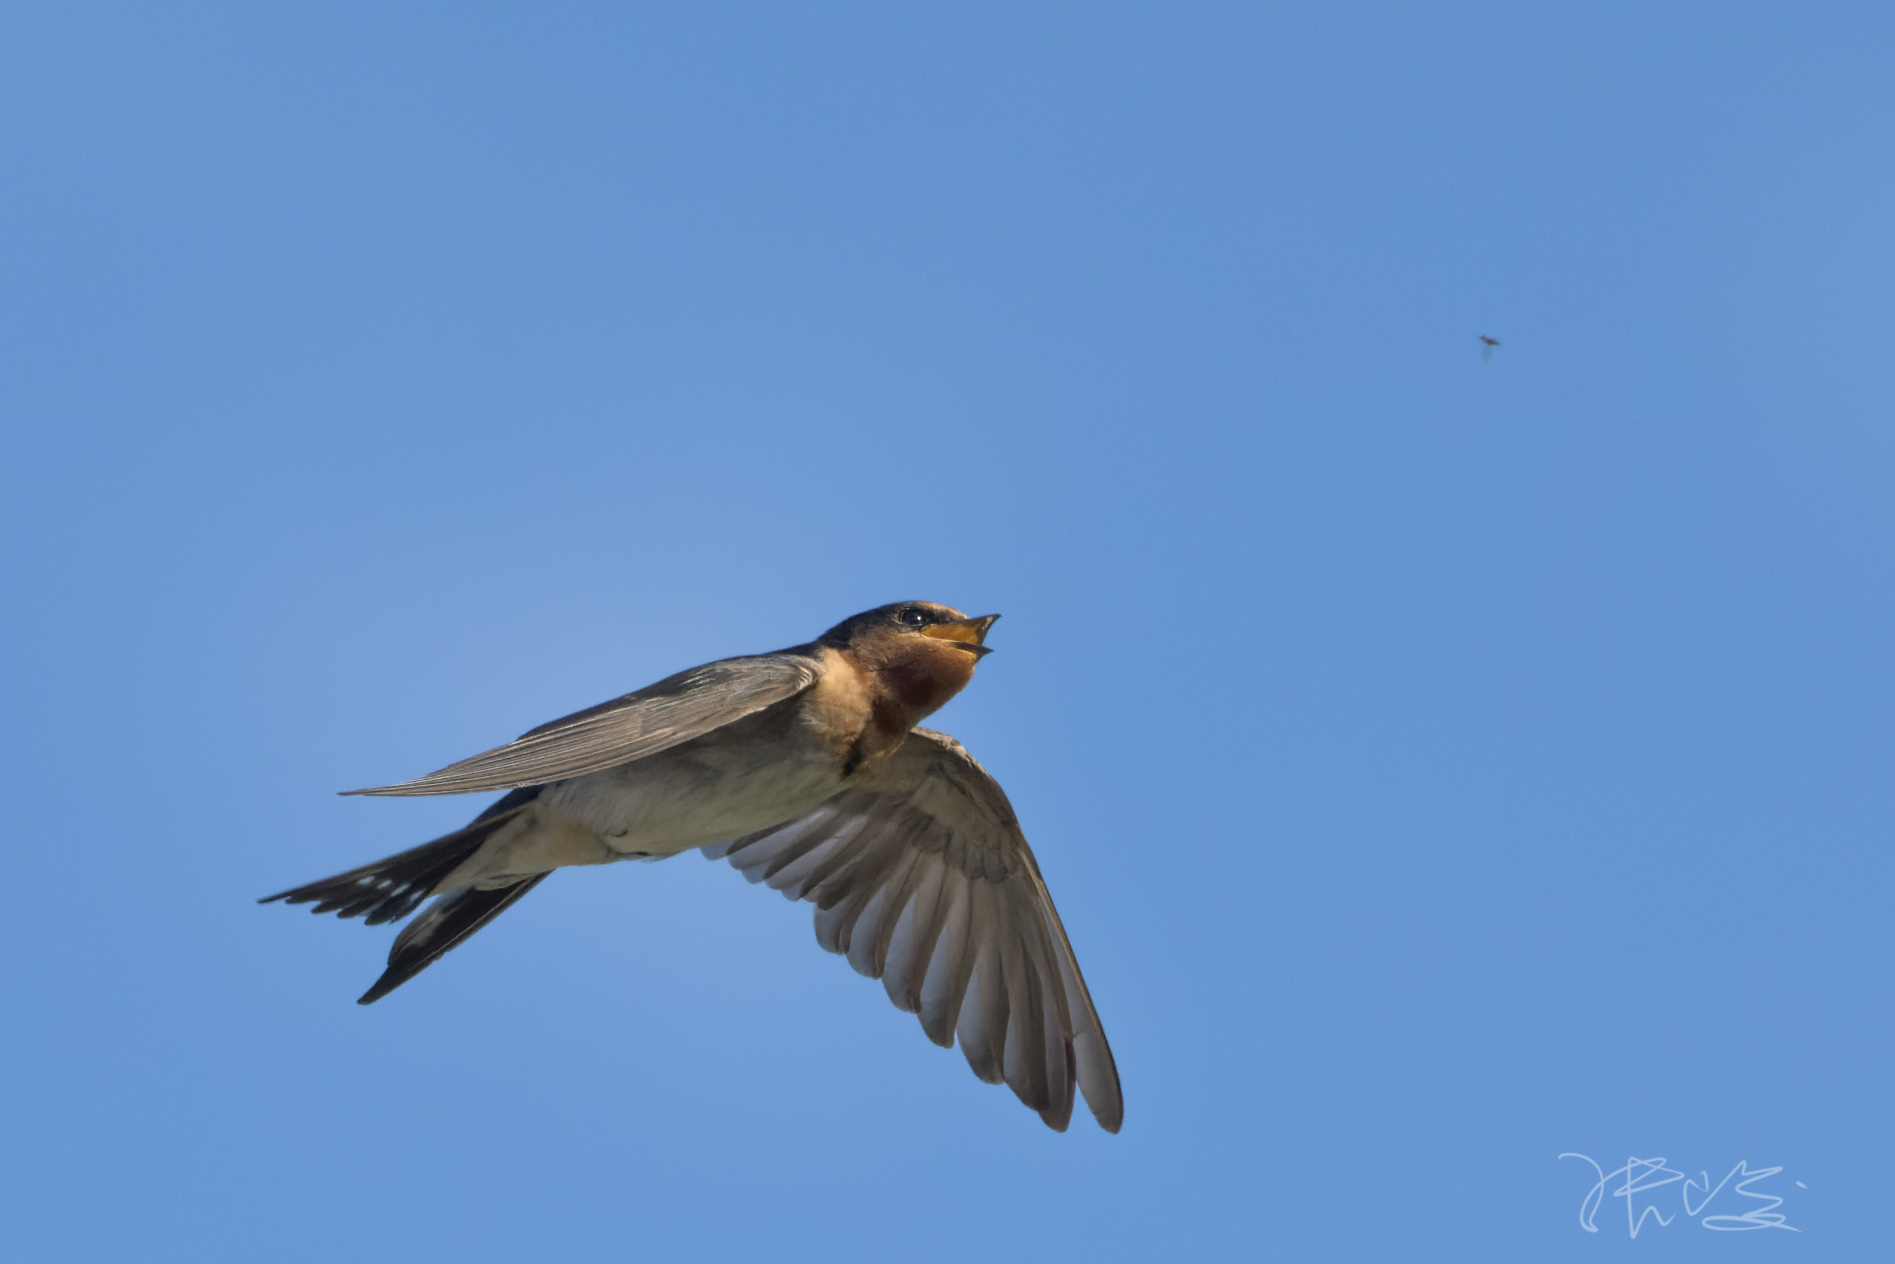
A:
[765,769]
[721,786]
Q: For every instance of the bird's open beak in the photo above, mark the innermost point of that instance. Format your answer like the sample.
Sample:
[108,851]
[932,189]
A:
[970,633]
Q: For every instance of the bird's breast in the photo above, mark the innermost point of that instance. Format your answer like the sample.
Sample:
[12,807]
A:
[762,770]
[863,714]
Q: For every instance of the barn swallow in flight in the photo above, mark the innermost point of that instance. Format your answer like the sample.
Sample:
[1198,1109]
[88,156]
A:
[1487,346]
[806,770]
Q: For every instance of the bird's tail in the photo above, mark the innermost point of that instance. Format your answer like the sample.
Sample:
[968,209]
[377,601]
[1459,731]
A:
[453,918]
[390,889]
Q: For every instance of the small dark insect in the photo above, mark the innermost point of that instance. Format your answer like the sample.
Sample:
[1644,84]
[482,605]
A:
[1487,346]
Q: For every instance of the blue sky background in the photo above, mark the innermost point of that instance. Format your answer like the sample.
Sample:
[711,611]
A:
[1439,764]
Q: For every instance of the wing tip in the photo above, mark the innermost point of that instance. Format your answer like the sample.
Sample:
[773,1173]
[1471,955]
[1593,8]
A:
[433,785]
[1110,1113]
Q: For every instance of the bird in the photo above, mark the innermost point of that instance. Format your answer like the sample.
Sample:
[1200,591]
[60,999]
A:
[1487,346]
[807,770]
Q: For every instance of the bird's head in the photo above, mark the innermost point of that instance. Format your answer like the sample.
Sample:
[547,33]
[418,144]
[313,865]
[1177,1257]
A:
[923,651]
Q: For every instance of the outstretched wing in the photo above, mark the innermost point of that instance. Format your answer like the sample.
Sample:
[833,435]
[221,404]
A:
[921,877]
[658,716]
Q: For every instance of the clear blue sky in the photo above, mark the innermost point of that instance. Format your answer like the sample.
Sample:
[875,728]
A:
[1440,765]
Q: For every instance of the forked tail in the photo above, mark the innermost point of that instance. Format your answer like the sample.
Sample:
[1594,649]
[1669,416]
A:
[452,919]
[390,889]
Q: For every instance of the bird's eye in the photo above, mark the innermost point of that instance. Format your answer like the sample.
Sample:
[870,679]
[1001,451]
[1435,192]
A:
[912,617]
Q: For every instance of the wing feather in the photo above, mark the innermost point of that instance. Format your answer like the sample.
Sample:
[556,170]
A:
[945,984]
[983,1027]
[852,893]
[676,709]
[905,965]
[921,877]
[869,938]
[1023,1056]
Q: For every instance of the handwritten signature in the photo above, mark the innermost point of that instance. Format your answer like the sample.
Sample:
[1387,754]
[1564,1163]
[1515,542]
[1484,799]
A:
[1641,1176]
